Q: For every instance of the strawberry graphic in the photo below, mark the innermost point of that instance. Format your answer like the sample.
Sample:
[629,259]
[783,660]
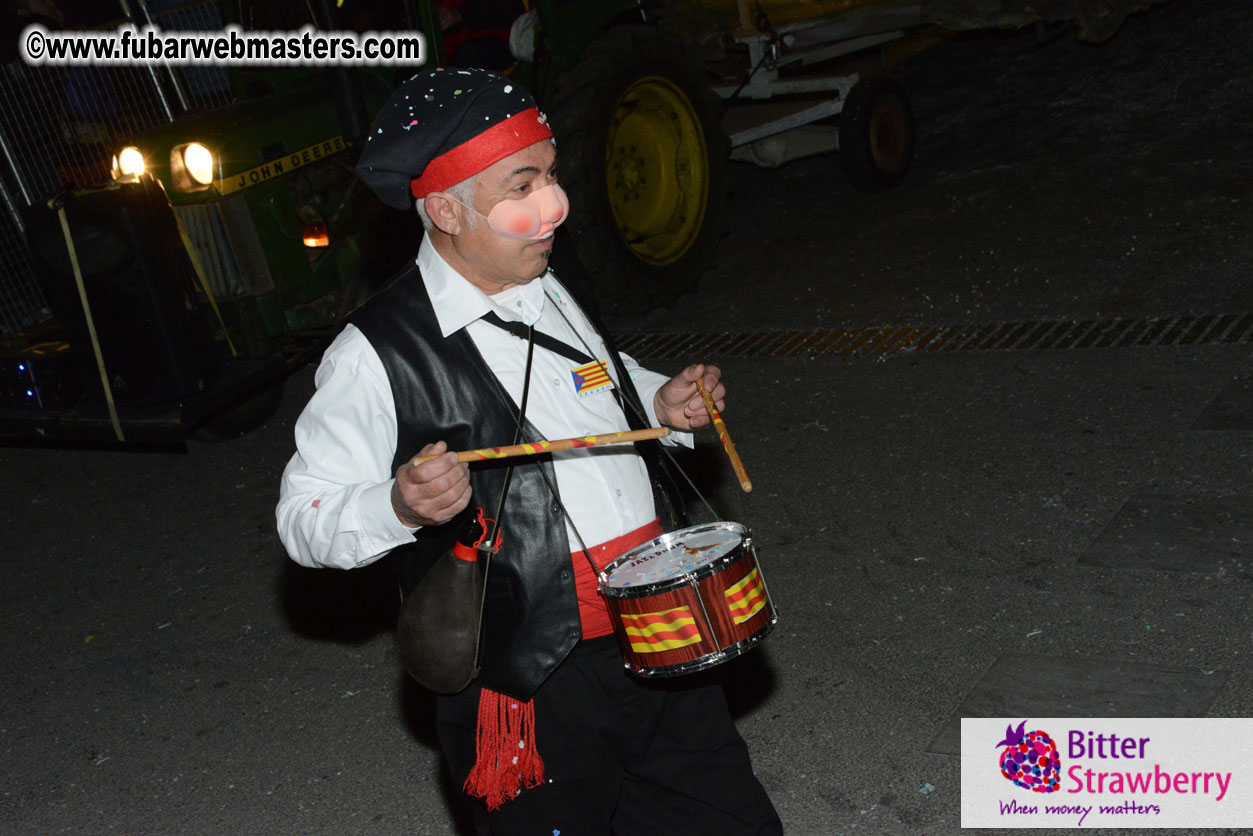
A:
[1030,759]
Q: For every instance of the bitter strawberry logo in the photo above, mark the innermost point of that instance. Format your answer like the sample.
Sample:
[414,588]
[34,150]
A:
[1030,759]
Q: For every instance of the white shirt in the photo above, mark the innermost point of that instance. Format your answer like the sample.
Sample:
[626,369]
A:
[334,504]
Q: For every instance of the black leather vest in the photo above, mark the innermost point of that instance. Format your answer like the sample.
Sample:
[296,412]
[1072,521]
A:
[443,389]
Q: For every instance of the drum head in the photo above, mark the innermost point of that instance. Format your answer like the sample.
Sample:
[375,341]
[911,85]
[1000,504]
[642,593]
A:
[680,555]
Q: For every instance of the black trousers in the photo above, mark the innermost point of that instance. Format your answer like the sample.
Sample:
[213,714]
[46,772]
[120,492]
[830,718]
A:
[622,755]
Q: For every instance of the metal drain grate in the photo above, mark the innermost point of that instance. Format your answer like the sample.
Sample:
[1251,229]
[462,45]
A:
[997,336]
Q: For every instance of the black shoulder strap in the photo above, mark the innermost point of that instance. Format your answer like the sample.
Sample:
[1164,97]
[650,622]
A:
[543,340]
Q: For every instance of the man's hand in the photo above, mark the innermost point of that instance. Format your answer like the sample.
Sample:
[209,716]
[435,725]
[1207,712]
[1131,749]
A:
[433,492]
[678,403]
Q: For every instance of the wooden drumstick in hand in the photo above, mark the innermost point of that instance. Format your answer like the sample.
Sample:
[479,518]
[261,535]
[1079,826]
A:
[534,447]
[725,437]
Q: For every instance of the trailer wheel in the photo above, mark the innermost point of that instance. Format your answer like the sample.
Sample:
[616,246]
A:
[642,154]
[876,135]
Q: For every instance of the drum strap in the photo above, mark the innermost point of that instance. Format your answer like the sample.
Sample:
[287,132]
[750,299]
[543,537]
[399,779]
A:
[529,336]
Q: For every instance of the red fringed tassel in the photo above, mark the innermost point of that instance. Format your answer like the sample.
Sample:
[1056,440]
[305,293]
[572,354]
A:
[506,760]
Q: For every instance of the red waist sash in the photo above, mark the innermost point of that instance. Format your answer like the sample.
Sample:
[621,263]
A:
[593,614]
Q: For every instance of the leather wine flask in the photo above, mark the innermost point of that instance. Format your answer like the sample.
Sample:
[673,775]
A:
[440,620]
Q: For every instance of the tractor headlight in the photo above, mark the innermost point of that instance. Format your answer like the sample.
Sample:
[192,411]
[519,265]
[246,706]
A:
[192,167]
[199,162]
[128,163]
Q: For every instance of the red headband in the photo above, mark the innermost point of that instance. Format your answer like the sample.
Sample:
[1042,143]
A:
[477,153]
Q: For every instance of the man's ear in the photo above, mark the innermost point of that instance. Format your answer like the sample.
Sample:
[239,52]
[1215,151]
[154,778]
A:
[444,212]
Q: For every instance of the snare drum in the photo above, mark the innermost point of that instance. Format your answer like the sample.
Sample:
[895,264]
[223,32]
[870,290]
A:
[688,600]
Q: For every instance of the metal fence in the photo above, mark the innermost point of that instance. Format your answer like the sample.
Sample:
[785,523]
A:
[22,301]
[61,126]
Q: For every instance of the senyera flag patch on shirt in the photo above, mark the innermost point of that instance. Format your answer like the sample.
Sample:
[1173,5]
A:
[590,378]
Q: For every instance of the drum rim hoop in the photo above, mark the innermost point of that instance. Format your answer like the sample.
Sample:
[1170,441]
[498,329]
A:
[686,579]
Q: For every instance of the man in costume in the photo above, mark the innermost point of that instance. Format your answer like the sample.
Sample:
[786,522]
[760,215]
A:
[553,735]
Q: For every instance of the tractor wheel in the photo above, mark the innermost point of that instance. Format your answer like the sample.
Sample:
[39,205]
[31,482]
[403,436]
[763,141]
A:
[876,135]
[642,153]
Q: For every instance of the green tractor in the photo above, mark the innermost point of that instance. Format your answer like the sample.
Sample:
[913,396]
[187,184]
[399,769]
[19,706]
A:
[177,239]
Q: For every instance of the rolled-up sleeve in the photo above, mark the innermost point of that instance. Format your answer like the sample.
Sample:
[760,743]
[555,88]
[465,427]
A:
[334,505]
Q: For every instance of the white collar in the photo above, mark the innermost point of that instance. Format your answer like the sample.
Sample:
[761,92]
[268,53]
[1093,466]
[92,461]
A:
[458,303]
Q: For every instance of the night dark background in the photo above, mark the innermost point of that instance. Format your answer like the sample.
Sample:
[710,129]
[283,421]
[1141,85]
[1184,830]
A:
[934,525]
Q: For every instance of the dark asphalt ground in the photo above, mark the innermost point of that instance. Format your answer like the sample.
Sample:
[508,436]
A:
[920,517]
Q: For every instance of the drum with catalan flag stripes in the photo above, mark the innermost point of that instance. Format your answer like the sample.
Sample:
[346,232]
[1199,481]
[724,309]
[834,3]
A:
[688,600]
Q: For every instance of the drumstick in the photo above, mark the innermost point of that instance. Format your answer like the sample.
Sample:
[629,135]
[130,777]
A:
[531,448]
[725,437]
